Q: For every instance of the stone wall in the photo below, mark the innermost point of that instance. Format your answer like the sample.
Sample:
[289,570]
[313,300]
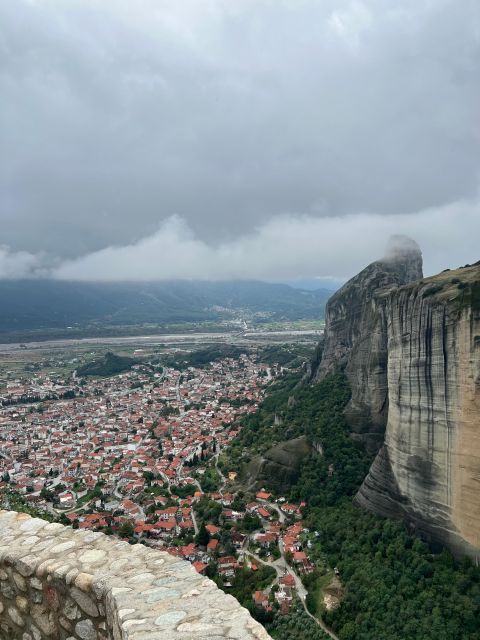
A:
[58,583]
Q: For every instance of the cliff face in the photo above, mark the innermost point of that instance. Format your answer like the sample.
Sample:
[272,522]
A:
[356,336]
[428,469]
[411,351]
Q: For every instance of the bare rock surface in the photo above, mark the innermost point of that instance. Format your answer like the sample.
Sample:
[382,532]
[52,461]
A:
[429,468]
[410,348]
[356,335]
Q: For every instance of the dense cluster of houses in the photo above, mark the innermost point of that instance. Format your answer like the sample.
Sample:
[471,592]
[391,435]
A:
[91,457]
[118,429]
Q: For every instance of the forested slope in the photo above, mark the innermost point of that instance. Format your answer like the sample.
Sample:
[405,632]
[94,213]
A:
[395,587]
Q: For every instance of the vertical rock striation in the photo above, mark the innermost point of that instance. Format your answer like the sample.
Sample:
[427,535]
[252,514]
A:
[428,470]
[411,351]
[356,336]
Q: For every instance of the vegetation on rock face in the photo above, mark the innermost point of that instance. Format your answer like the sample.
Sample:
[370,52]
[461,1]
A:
[459,288]
[395,588]
[314,411]
[476,296]
[260,430]
[280,466]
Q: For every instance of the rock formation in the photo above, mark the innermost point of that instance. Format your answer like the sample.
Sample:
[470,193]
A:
[279,467]
[428,469]
[411,352]
[356,335]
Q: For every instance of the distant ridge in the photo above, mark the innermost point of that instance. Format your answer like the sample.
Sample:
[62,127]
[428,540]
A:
[29,305]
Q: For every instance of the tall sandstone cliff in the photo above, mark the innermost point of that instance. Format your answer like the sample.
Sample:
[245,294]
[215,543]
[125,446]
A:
[412,355]
[356,336]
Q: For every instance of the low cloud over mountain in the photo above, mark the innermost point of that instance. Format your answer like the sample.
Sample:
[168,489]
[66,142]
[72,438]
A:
[203,137]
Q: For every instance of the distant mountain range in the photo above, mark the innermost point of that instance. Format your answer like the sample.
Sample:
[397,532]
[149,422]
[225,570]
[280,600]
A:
[30,305]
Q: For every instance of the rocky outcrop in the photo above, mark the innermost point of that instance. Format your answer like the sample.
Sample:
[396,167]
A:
[428,470]
[411,351]
[279,467]
[356,336]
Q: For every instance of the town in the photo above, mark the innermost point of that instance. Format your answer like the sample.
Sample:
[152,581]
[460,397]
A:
[138,455]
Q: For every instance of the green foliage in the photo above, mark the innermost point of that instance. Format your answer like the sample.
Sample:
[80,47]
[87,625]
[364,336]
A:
[284,354]
[431,291]
[210,481]
[126,530]
[13,501]
[476,296]
[296,625]
[202,538]
[251,522]
[246,582]
[183,491]
[208,510]
[315,411]
[343,464]
[109,365]
[169,410]
[259,432]
[395,587]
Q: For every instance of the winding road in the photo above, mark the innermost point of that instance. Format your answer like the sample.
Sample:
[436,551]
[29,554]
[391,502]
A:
[282,567]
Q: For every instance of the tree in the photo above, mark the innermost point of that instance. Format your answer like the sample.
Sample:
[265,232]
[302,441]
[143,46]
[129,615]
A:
[149,476]
[126,530]
[202,538]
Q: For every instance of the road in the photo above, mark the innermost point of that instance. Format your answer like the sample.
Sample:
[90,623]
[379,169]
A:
[218,470]
[275,507]
[177,388]
[194,520]
[282,567]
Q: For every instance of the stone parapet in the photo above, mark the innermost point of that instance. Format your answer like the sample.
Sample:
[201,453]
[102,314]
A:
[58,583]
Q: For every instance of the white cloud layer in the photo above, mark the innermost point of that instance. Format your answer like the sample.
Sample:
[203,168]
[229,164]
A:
[287,247]
[19,264]
[231,114]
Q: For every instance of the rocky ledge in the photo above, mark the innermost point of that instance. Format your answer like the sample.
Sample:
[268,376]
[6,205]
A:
[57,583]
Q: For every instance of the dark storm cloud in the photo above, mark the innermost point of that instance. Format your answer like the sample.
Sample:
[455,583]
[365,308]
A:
[241,118]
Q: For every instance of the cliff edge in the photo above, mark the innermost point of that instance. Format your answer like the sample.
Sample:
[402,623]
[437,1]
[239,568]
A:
[428,470]
[356,336]
[410,348]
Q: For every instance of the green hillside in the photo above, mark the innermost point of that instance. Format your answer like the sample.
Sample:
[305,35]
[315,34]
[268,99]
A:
[110,365]
[32,305]
[395,587]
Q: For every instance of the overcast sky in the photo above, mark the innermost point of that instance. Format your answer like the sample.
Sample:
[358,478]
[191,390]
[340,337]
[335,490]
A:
[267,139]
